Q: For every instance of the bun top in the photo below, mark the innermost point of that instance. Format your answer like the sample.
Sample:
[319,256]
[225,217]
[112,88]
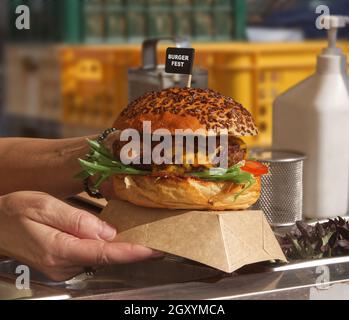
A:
[187,108]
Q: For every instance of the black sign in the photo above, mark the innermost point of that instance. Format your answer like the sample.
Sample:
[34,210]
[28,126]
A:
[179,60]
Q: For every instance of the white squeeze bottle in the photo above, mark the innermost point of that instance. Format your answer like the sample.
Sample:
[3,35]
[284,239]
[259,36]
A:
[313,117]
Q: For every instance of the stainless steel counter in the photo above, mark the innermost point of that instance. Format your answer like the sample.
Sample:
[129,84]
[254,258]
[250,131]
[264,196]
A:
[175,278]
[300,284]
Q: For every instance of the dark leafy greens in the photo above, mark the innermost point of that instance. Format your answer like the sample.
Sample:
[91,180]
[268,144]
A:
[329,239]
[101,164]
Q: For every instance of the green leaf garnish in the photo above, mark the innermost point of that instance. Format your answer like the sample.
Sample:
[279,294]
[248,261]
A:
[101,164]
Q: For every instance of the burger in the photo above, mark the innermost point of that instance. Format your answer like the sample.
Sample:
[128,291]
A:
[195,184]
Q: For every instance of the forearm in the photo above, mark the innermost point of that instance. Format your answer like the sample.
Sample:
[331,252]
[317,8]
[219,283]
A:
[41,165]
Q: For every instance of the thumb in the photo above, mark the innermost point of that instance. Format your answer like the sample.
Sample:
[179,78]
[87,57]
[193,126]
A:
[76,222]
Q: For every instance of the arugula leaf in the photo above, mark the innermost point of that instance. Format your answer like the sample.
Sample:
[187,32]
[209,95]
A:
[233,174]
[101,164]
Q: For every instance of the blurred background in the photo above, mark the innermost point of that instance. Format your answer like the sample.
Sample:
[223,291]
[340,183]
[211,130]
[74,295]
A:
[68,74]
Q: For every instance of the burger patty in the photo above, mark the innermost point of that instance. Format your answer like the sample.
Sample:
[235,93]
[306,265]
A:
[236,153]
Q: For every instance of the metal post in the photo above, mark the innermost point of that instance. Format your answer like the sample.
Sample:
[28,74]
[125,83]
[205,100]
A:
[72,20]
[240,19]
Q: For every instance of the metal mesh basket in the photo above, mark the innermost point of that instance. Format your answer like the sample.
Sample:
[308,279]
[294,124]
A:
[282,188]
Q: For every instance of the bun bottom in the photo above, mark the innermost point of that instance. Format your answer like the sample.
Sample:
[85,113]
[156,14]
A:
[184,193]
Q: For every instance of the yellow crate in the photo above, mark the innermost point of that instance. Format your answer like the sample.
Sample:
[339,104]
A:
[253,74]
[94,84]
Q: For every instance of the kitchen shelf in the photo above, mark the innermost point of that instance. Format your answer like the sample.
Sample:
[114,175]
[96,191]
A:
[122,21]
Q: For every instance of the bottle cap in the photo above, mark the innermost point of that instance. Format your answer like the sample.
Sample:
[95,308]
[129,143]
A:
[332,24]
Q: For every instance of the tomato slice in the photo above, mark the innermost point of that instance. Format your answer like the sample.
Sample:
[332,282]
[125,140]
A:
[255,167]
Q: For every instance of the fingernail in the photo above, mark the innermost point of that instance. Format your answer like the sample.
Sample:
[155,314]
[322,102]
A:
[148,252]
[157,254]
[108,232]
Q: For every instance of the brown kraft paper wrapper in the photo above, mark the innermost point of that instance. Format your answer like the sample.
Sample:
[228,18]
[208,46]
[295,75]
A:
[225,240]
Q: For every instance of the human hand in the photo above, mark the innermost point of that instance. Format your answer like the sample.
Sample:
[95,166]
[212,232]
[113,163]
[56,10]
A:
[57,239]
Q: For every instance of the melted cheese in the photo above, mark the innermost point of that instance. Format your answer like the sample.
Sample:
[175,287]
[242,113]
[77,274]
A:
[199,160]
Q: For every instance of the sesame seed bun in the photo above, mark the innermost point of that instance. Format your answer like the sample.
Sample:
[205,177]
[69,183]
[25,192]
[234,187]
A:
[184,193]
[187,108]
